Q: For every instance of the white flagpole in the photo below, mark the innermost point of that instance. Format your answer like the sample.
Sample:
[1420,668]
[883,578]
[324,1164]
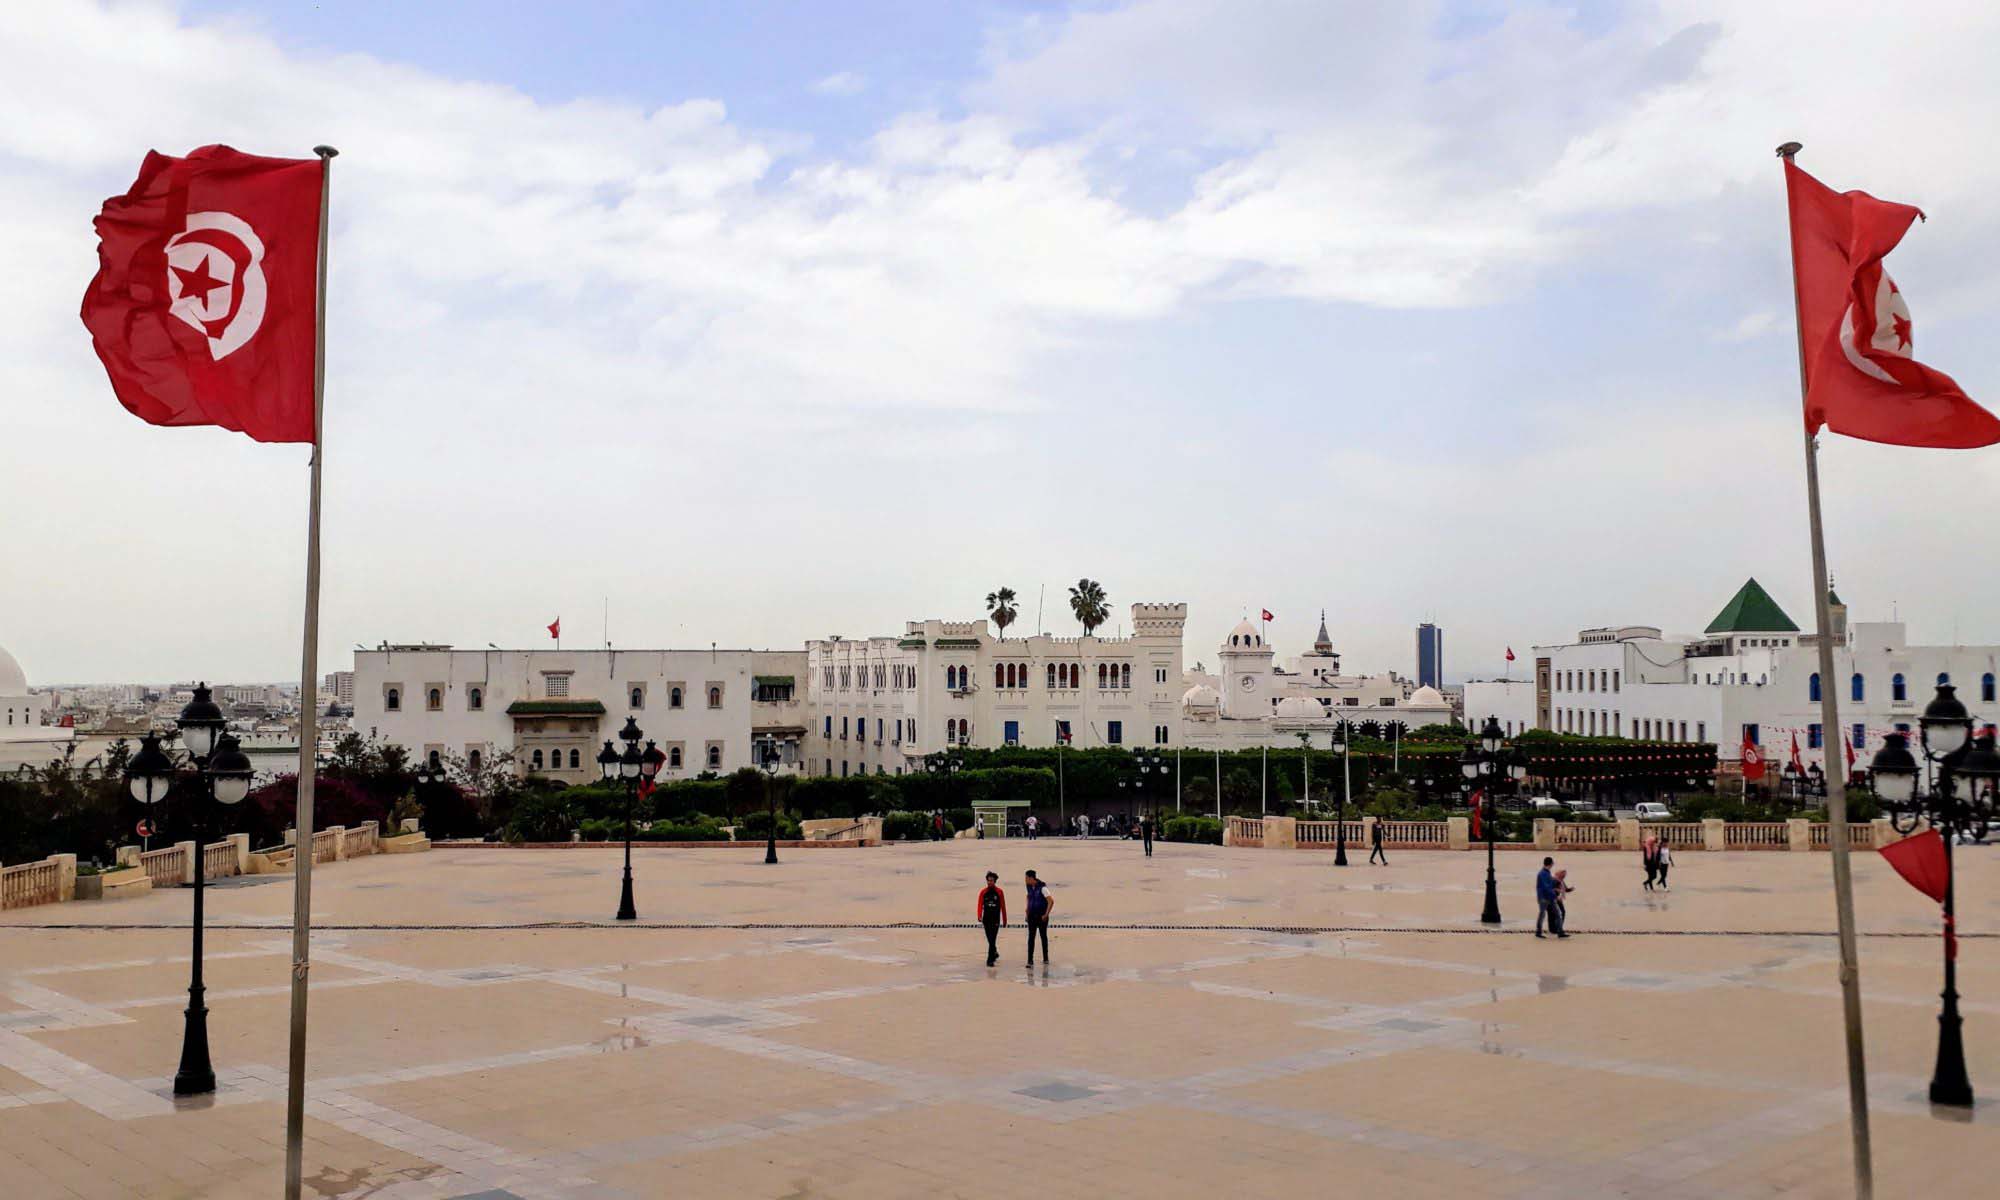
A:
[302,823]
[1836,784]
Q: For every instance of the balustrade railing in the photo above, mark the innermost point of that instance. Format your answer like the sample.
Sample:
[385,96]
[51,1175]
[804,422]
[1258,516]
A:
[1327,833]
[1413,834]
[1586,833]
[218,859]
[1246,831]
[1860,835]
[325,850]
[166,867]
[1680,835]
[1757,835]
[362,839]
[29,884]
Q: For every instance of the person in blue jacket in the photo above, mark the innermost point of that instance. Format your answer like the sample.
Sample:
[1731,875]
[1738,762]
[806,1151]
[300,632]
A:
[1548,900]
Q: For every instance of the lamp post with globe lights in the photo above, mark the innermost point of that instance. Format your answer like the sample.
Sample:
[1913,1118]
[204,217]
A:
[216,771]
[1953,756]
[767,759]
[1145,764]
[1338,744]
[633,767]
[1488,766]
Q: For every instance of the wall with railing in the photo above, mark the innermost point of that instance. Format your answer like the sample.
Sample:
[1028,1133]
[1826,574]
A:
[1243,831]
[1860,835]
[1756,835]
[167,866]
[1625,834]
[29,884]
[1327,833]
[1586,835]
[1416,835]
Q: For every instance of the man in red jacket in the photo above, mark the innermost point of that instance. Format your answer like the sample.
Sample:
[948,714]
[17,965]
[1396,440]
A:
[992,909]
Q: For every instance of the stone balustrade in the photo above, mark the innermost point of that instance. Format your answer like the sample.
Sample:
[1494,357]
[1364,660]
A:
[50,881]
[1795,834]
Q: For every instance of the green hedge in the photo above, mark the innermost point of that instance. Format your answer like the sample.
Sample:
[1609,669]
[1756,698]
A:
[912,826]
[1192,829]
[757,825]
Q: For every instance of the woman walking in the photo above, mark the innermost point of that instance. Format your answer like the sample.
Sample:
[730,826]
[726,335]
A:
[1663,860]
[1649,857]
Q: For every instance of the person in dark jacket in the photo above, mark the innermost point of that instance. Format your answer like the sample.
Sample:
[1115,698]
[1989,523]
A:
[992,910]
[1040,905]
[1146,831]
[1548,899]
[1375,844]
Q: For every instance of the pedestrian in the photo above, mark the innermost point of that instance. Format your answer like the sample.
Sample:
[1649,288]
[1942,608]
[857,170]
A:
[1146,831]
[1665,860]
[1649,856]
[1040,905]
[1375,844]
[1563,889]
[1082,826]
[937,825]
[1033,826]
[1548,900]
[992,909]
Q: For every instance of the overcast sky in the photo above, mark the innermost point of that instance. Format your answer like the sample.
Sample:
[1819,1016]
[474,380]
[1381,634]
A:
[773,321]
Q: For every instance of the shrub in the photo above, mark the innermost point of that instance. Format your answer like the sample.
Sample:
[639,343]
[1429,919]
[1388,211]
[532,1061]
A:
[699,829]
[542,816]
[906,826]
[1192,829]
[758,825]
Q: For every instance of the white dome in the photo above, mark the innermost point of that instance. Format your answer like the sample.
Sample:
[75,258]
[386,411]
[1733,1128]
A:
[1244,635]
[1200,696]
[13,682]
[1426,697]
[1298,708]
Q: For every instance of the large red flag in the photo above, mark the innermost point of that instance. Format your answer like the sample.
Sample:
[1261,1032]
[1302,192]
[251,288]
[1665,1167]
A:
[1753,759]
[1920,860]
[1855,329]
[204,308]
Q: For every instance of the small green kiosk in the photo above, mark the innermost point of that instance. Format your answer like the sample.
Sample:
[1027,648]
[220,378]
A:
[991,815]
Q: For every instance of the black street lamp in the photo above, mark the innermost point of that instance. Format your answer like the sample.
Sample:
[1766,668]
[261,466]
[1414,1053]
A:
[1338,744]
[1489,765]
[1953,753]
[628,767]
[1144,763]
[768,760]
[220,771]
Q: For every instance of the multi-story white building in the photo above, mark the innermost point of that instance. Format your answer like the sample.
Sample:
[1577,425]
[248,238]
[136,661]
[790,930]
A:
[1750,675]
[1250,702]
[552,710]
[877,705]
[340,685]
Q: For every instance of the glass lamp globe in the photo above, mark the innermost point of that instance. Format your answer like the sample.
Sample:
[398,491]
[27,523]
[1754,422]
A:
[201,722]
[1946,725]
[1490,737]
[607,763]
[630,761]
[230,771]
[150,772]
[1895,770]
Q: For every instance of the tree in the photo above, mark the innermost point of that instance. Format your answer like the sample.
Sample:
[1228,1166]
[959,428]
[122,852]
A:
[1088,602]
[1000,606]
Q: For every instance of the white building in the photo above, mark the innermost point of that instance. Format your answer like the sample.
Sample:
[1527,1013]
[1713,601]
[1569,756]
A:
[552,710]
[877,705]
[1750,675]
[1249,702]
[24,740]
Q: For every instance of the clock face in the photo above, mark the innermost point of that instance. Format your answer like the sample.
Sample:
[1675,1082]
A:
[1249,683]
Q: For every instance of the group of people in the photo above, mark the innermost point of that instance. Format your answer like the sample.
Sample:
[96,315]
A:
[1657,857]
[992,910]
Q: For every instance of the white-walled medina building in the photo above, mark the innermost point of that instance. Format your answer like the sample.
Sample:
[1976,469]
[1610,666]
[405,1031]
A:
[24,740]
[1751,674]
[877,705]
[552,710]
[1248,701]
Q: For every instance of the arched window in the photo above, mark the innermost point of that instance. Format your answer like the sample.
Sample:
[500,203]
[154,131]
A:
[1812,687]
[1898,692]
[715,756]
[673,697]
[674,757]
[436,699]
[435,758]
[715,697]
[536,761]
[638,697]
[392,700]
[1857,688]
[574,760]
[1986,687]
[1000,673]
[1103,670]
[475,698]
[1125,674]
[472,760]
[1233,639]
[1051,683]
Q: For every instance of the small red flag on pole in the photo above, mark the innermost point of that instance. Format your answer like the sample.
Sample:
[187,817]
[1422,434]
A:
[555,629]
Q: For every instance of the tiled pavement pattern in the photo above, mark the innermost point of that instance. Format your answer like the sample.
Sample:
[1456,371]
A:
[1390,1050]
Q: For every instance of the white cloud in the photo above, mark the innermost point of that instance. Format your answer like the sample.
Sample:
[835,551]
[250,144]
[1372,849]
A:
[841,83]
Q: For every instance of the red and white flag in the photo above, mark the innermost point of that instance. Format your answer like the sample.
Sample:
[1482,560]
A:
[1855,329]
[1797,765]
[1510,654]
[1267,614]
[204,308]
[555,629]
[1478,800]
[1753,759]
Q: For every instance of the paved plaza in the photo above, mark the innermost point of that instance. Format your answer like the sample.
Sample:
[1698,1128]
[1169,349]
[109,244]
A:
[1216,1020]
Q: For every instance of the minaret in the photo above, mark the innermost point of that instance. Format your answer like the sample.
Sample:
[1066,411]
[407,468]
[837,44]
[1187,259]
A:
[1322,644]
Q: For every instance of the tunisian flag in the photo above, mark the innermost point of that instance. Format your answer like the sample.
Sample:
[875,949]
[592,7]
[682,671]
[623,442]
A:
[1753,759]
[204,308]
[1854,327]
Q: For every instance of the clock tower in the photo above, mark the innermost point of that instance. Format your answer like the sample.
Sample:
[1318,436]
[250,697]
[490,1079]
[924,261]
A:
[1247,683]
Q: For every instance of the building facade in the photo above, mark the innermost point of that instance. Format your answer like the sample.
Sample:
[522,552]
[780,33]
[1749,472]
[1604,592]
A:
[1249,701]
[1430,655]
[1750,675]
[552,710]
[877,705]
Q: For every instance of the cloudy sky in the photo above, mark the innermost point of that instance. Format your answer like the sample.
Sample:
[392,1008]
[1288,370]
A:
[769,321]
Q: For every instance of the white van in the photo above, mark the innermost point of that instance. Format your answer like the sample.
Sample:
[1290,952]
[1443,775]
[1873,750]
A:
[1652,810]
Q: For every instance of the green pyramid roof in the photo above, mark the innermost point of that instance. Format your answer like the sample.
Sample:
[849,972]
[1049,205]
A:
[1751,610]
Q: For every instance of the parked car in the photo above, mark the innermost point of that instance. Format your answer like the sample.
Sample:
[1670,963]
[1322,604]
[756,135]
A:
[1651,810]
[1545,804]
[1580,805]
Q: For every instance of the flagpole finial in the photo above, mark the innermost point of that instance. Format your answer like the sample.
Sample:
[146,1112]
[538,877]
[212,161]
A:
[1789,149]
[325,151]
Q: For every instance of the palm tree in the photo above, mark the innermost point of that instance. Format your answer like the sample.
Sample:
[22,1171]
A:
[1000,606]
[1087,601]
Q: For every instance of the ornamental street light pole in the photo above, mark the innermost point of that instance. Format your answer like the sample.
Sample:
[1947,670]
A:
[768,760]
[1143,764]
[1338,744]
[1953,754]
[628,767]
[1488,765]
[219,772]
